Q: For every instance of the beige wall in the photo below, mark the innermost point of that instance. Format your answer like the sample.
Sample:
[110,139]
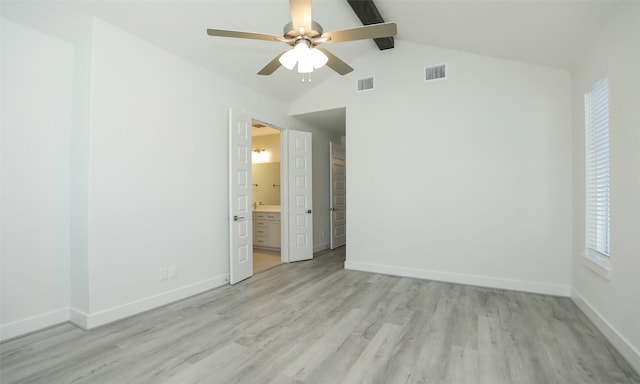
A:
[266,174]
[266,183]
[271,143]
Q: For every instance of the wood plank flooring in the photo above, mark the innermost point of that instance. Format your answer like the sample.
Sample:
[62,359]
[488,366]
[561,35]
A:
[314,322]
[264,259]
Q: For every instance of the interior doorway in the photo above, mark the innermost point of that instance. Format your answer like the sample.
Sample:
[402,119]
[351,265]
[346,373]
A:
[296,196]
[266,195]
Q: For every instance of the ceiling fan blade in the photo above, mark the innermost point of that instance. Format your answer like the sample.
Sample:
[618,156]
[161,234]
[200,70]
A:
[272,66]
[336,64]
[372,31]
[301,14]
[243,35]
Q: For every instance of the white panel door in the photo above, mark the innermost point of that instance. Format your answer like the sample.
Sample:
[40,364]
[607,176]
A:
[337,195]
[240,229]
[300,196]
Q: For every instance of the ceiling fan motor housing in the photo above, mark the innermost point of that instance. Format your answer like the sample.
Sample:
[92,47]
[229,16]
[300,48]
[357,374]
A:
[290,32]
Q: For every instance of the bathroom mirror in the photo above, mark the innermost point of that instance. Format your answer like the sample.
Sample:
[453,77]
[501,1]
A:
[266,183]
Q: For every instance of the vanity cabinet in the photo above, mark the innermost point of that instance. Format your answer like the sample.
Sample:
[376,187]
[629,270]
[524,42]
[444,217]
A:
[266,230]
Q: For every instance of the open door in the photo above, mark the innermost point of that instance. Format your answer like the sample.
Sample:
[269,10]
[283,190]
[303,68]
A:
[240,229]
[300,199]
[337,195]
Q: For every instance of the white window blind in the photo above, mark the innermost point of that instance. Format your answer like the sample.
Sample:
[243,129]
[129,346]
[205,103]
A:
[598,174]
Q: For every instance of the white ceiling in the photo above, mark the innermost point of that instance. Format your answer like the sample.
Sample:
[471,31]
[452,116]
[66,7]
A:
[332,120]
[547,32]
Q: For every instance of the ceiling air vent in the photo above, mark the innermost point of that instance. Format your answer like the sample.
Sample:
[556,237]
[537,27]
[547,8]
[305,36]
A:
[365,83]
[435,72]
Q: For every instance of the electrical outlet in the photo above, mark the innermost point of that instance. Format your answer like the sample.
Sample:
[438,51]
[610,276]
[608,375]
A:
[172,272]
[391,253]
[164,273]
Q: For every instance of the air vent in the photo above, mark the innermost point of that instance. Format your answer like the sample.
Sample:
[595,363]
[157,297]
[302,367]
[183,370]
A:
[435,72]
[365,84]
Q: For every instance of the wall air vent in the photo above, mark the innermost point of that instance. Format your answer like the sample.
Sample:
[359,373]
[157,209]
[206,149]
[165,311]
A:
[366,83]
[435,72]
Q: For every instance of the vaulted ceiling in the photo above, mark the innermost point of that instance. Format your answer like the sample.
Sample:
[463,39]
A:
[551,33]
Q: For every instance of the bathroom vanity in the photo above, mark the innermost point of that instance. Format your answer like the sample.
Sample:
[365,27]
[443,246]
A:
[266,228]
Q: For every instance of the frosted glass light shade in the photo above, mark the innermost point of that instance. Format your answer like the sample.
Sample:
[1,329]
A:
[289,59]
[306,58]
[301,50]
[305,65]
[318,58]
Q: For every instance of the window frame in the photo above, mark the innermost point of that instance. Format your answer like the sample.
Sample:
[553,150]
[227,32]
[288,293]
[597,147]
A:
[598,175]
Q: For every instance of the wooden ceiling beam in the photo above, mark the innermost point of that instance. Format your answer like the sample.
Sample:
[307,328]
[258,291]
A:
[368,14]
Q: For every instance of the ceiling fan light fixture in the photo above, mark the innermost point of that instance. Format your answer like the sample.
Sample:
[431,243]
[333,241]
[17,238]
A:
[301,48]
[305,65]
[289,59]
[318,58]
[303,35]
[306,57]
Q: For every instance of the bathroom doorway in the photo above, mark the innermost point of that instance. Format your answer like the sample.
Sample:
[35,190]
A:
[267,196]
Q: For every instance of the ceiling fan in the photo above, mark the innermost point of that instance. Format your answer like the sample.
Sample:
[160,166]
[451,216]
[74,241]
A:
[304,36]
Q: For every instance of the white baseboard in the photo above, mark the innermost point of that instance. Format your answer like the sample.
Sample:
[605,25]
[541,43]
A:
[320,247]
[32,324]
[481,281]
[621,343]
[92,320]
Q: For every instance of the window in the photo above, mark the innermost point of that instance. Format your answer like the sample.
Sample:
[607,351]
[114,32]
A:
[598,174]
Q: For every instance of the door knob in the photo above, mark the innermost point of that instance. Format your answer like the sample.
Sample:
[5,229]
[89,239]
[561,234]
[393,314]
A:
[236,218]
[308,211]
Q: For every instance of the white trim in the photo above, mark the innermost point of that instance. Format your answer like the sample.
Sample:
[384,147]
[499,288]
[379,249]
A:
[599,265]
[481,281]
[321,247]
[92,320]
[626,349]
[78,318]
[32,324]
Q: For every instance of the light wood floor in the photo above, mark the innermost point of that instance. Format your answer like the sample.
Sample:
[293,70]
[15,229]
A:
[264,259]
[314,322]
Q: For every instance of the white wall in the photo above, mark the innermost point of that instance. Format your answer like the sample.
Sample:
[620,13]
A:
[137,139]
[158,173]
[36,125]
[466,179]
[82,32]
[612,304]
